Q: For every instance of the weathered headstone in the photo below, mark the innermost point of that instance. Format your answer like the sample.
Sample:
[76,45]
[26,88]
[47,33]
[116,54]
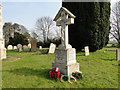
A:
[65,55]
[86,50]
[29,46]
[40,47]
[15,47]
[33,45]
[10,47]
[52,48]
[109,45]
[118,54]
[19,46]
[2,44]
[25,47]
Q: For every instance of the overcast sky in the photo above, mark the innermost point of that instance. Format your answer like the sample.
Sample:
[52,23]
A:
[26,12]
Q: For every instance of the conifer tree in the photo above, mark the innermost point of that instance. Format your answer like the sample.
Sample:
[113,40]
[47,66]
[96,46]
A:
[92,24]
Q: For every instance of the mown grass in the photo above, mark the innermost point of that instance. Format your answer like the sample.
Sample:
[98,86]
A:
[100,70]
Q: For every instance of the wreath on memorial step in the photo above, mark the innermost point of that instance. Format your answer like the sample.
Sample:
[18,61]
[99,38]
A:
[64,78]
[77,75]
[71,78]
[54,73]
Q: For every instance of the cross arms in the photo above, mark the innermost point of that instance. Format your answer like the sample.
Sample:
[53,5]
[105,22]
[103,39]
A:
[67,22]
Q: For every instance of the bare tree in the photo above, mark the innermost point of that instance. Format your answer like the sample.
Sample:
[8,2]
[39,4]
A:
[115,23]
[23,29]
[58,32]
[44,26]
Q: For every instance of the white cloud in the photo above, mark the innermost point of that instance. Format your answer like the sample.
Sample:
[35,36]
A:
[114,1]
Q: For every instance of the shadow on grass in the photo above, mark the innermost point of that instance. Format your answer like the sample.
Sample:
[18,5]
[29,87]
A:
[42,52]
[39,54]
[81,55]
[109,59]
[110,47]
[43,73]
[12,51]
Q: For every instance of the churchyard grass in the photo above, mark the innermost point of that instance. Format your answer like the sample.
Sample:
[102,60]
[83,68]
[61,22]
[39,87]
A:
[31,70]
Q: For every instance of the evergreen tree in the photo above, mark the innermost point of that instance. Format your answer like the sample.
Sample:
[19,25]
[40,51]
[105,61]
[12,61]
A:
[92,24]
[105,23]
[18,39]
[94,39]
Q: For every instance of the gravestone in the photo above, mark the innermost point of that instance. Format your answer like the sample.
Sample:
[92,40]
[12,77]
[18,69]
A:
[10,47]
[29,46]
[109,45]
[52,48]
[118,54]
[86,50]
[40,47]
[65,55]
[25,47]
[19,46]
[2,42]
[15,47]
[33,45]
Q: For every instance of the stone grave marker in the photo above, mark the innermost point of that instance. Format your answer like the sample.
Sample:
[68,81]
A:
[2,41]
[52,48]
[25,47]
[15,47]
[33,45]
[40,47]
[118,54]
[65,55]
[29,46]
[10,47]
[19,46]
[86,51]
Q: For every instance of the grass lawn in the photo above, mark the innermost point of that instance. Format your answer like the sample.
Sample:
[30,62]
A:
[31,70]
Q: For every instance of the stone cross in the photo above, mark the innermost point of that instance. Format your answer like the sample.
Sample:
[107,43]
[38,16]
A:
[63,21]
[65,55]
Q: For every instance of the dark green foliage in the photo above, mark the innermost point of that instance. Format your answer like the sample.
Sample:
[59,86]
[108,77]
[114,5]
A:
[18,39]
[57,42]
[10,29]
[105,23]
[47,43]
[92,24]
[40,43]
[94,40]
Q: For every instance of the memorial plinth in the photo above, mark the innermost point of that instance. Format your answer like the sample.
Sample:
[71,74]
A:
[65,55]
[65,60]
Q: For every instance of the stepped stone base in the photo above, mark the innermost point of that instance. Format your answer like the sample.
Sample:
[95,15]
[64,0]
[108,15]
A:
[65,60]
[67,69]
